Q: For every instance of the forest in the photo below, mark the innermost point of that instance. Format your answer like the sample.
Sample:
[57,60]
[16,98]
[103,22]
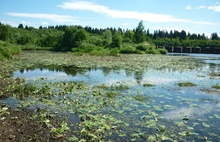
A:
[98,41]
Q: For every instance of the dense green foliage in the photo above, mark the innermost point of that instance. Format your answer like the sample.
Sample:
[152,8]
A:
[102,41]
[8,50]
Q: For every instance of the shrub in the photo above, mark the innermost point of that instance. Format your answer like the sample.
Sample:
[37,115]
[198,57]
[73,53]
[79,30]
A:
[5,53]
[14,49]
[7,50]
[86,47]
[153,51]
[141,47]
[114,52]
[128,50]
[162,51]
[99,52]
[139,52]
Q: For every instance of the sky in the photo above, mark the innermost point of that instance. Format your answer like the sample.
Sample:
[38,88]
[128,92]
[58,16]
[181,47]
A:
[194,16]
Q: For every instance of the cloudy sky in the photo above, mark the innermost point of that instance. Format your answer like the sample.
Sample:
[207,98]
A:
[194,16]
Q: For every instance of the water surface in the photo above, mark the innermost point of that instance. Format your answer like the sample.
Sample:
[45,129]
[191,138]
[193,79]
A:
[163,111]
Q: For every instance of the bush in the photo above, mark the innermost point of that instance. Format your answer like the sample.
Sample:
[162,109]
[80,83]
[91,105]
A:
[153,51]
[162,51]
[114,52]
[14,49]
[86,47]
[5,53]
[128,50]
[141,47]
[7,50]
[139,52]
[99,52]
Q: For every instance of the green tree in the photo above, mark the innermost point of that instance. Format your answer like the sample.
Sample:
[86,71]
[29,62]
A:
[182,35]
[80,36]
[117,40]
[139,33]
[214,36]
[73,38]
[186,43]
[69,39]
[20,26]
[129,36]
[5,32]
[107,38]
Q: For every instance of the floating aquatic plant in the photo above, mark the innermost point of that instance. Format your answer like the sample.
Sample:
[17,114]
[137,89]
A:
[186,84]
[216,86]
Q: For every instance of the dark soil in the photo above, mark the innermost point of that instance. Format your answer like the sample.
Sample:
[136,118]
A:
[17,126]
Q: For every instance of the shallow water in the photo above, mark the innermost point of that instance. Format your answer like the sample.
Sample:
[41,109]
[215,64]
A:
[185,113]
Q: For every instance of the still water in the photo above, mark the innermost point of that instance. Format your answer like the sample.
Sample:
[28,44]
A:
[167,111]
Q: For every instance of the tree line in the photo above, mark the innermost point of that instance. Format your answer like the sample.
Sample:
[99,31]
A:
[87,39]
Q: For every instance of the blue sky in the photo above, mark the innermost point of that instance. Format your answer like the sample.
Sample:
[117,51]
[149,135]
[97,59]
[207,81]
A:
[194,16]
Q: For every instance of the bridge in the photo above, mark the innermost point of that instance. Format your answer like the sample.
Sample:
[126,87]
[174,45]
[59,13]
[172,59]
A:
[204,50]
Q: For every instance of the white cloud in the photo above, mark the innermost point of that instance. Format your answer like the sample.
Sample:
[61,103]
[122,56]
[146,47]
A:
[201,7]
[45,23]
[25,23]
[52,17]
[125,24]
[188,7]
[12,23]
[215,8]
[149,17]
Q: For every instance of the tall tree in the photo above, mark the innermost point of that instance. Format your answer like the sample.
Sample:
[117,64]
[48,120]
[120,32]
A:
[107,38]
[182,35]
[80,36]
[5,31]
[129,36]
[20,26]
[117,40]
[69,38]
[139,33]
[214,36]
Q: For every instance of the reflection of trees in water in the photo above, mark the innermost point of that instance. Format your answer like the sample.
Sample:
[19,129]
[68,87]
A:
[213,67]
[129,72]
[138,75]
[106,71]
[69,70]
[73,71]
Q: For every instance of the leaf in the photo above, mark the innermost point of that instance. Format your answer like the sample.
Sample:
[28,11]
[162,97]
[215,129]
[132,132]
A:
[205,125]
